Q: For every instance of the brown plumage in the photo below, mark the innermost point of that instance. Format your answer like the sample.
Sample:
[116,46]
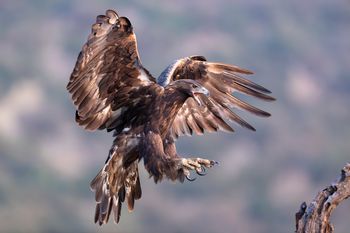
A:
[112,90]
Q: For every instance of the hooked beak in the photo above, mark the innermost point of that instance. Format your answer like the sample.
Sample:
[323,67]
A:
[197,92]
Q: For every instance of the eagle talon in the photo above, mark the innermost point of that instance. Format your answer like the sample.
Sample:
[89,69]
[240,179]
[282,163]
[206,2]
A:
[197,165]
[201,172]
[189,178]
[212,163]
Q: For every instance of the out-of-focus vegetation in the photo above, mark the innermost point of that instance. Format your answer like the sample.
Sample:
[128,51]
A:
[298,49]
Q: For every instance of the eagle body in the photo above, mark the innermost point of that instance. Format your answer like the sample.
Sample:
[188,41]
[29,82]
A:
[112,91]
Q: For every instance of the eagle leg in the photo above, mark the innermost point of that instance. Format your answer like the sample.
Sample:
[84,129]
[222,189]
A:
[198,165]
[159,164]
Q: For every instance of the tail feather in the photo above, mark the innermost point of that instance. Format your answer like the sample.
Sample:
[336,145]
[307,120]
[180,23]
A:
[138,191]
[105,202]
[132,187]
[112,187]
[117,207]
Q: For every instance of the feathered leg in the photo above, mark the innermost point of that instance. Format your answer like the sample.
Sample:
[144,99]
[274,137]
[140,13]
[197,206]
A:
[116,182]
[157,163]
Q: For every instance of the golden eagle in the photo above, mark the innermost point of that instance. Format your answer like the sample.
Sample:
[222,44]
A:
[112,90]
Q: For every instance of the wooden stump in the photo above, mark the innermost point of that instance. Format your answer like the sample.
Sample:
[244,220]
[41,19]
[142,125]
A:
[315,217]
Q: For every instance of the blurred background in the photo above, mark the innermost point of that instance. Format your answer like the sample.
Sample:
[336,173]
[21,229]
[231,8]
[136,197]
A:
[298,49]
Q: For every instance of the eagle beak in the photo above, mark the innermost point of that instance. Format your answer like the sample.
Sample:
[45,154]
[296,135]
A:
[197,92]
[201,90]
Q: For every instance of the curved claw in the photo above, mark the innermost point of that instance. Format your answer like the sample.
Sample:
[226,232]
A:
[202,172]
[189,178]
[212,163]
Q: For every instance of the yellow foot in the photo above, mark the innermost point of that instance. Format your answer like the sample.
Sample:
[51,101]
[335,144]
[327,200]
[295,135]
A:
[198,165]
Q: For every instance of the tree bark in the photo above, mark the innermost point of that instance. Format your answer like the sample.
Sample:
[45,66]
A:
[315,217]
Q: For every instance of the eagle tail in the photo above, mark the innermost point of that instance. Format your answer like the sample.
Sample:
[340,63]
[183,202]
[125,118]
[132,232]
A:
[112,187]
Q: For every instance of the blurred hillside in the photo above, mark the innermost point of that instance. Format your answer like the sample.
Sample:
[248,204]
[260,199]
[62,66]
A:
[298,49]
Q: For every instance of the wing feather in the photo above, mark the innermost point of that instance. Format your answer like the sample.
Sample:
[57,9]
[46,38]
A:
[106,74]
[191,122]
[222,82]
[216,114]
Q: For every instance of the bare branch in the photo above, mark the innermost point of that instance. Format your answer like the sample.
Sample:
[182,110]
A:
[315,217]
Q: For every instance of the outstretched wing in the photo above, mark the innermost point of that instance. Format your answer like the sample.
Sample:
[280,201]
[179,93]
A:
[108,73]
[222,81]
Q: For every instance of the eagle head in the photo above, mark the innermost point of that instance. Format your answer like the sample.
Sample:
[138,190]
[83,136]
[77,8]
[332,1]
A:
[124,24]
[191,88]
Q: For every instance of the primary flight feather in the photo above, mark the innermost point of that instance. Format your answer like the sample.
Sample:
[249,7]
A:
[112,90]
